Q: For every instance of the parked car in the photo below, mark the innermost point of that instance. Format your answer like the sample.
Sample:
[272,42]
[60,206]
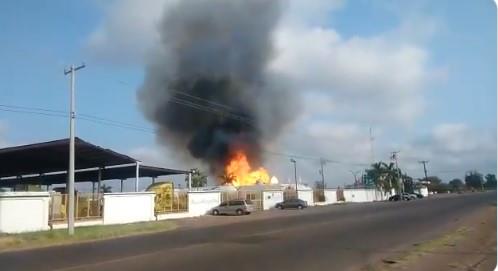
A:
[410,196]
[399,197]
[419,196]
[234,207]
[292,203]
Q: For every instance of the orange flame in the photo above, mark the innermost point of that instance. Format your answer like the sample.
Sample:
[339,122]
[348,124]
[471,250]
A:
[238,172]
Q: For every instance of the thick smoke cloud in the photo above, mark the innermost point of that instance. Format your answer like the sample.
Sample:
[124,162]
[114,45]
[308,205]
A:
[207,85]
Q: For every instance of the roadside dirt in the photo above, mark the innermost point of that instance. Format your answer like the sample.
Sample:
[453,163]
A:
[469,246]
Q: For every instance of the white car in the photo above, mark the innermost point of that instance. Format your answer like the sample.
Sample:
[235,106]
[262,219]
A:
[410,196]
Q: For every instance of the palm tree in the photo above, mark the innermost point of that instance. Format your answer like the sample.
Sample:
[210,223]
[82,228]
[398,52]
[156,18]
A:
[385,176]
[227,178]
[198,178]
[376,174]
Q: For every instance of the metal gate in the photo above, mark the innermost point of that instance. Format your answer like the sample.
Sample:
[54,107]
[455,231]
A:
[86,206]
[340,194]
[319,195]
[290,194]
[252,197]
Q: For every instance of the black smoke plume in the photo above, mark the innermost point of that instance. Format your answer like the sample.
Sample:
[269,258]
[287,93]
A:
[208,87]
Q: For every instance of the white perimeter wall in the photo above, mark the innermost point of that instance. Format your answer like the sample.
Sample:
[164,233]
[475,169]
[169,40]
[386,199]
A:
[271,198]
[423,191]
[306,195]
[330,196]
[362,195]
[128,207]
[24,211]
[200,203]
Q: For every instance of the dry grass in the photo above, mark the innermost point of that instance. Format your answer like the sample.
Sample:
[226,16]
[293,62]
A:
[82,234]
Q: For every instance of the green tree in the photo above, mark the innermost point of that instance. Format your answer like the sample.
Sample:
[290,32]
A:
[474,180]
[490,181]
[437,185]
[227,178]
[199,179]
[384,176]
[456,184]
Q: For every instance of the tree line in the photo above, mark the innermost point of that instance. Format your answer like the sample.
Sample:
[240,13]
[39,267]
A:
[386,177]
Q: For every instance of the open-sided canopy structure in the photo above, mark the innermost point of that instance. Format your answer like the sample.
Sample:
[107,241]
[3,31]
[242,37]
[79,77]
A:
[47,163]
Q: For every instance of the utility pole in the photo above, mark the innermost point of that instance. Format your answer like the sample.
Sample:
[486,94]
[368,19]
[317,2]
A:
[295,174]
[322,163]
[355,174]
[424,162]
[372,138]
[394,156]
[70,182]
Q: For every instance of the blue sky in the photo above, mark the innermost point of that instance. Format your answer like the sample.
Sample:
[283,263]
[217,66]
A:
[41,38]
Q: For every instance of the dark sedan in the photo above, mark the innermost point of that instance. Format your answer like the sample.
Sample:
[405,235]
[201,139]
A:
[399,197]
[292,203]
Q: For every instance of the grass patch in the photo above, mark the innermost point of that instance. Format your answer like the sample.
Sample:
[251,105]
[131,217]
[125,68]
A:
[420,249]
[89,233]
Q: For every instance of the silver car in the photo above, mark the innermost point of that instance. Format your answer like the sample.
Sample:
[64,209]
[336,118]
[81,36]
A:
[233,207]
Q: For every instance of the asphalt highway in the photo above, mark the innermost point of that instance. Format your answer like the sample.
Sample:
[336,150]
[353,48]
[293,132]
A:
[337,237]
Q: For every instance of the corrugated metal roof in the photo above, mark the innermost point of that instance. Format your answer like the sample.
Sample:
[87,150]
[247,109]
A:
[47,163]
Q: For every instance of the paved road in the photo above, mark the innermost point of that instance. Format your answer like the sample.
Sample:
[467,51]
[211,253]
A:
[322,238]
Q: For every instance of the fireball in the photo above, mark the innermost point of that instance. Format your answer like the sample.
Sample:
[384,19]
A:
[238,172]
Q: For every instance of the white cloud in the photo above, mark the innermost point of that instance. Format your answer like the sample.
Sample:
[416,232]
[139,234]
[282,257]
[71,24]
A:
[362,75]
[383,73]
[346,84]
[452,149]
[157,156]
[128,28]
[127,31]
[346,144]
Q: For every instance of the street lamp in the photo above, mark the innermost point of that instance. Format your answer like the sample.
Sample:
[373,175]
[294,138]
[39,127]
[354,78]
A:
[295,172]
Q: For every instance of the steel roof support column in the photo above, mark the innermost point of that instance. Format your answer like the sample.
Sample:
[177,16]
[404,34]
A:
[137,175]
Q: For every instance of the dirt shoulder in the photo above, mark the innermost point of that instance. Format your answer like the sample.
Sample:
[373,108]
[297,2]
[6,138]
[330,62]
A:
[470,246]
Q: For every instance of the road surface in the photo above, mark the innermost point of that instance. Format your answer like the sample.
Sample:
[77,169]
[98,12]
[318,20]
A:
[337,237]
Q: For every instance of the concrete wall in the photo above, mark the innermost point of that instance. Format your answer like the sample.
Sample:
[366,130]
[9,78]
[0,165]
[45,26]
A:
[78,223]
[362,195]
[200,203]
[271,198]
[128,207]
[306,195]
[330,196]
[166,216]
[423,191]
[24,211]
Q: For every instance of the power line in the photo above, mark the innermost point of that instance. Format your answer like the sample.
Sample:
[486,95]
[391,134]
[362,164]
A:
[211,109]
[113,122]
[107,123]
[33,108]
[63,114]
[125,125]
[178,100]
[34,113]
[202,99]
